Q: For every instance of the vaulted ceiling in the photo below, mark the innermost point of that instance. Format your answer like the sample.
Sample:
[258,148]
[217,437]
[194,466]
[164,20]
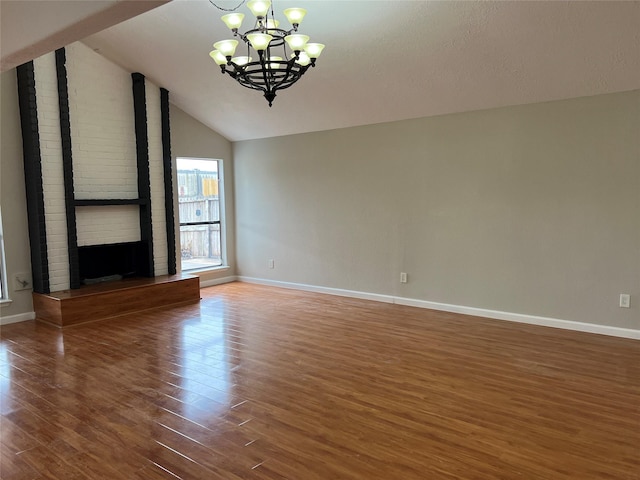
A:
[31,28]
[387,60]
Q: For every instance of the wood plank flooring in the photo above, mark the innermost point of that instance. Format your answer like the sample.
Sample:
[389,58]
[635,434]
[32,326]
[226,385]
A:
[258,382]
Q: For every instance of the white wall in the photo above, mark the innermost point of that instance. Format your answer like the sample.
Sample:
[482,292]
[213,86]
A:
[528,209]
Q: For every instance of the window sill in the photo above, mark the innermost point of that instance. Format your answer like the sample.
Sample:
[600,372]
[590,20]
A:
[5,301]
[198,271]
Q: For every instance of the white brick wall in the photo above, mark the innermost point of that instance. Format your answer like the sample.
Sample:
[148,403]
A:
[52,171]
[102,126]
[104,157]
[108,224]
[156,175]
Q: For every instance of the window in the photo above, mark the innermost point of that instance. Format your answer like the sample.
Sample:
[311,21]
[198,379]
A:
[200,201]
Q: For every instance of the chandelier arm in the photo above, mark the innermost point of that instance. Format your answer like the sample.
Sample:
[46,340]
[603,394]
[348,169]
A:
[246,77]
[254,78]
[249,78]
[264,69]
[248,83]
[291,82]
[252,86]
[287,81]
[290,65]
[281,33]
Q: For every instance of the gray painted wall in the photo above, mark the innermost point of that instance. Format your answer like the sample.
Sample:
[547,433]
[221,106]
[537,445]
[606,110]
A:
[13,198]
[530,209]
[190,138]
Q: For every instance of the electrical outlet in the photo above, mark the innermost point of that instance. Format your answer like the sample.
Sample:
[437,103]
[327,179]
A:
[271,263]
[403,277]
[22,281]
[625,300]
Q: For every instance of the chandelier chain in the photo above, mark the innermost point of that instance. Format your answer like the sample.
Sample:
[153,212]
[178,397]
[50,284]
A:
[227,9]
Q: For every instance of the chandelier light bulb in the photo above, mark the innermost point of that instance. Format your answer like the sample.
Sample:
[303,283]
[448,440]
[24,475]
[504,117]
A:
[233,20]
[240,61]
[275,65]
[303,59]
[226,47]
[295,15]
[313,49]
[259,41]
[296,41]
[218,57]
[259,7]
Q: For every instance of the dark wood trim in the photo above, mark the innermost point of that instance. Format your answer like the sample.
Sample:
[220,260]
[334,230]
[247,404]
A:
[67,167]
[142,155]
[33,177]
[168,181]
[99,202]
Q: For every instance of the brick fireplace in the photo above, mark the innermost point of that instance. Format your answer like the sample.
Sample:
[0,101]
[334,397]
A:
[98,175]
[98,170]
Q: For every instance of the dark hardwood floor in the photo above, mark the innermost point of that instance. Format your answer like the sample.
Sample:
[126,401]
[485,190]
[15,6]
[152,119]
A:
[264,383]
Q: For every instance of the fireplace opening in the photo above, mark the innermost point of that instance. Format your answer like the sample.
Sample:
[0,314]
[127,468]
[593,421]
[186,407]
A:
[103,263]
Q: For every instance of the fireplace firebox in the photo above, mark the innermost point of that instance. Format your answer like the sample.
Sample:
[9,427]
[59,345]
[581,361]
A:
[100,263]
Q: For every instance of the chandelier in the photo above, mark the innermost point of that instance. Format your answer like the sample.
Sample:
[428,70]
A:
[281,56]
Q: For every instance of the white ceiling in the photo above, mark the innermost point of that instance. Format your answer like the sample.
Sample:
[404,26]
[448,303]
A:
[31,28]
[388,60]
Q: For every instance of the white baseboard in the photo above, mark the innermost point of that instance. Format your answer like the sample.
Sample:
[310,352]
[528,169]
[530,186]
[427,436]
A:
[217,281]
[521,318]
[313,288]
[478,312]
[20,317]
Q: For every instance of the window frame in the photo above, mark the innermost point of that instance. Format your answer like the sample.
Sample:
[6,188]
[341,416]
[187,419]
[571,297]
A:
[221,215]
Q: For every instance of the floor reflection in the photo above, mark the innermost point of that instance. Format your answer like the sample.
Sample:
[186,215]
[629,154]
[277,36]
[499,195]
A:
[5,380]
[206,360]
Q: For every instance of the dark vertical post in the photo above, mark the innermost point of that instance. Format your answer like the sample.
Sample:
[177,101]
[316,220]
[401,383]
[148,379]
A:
[142,154]
[168,181]
[33,177]
[67,167]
